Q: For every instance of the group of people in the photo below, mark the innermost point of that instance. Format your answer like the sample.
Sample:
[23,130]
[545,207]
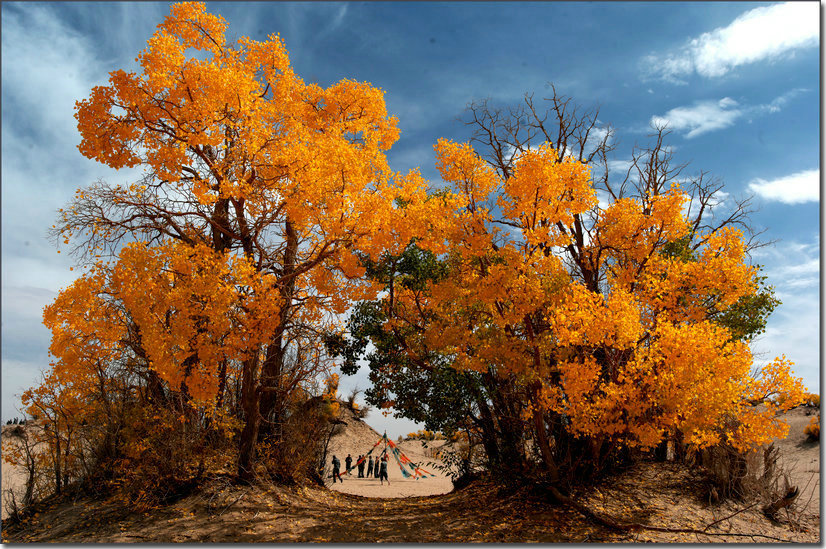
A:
[377,468]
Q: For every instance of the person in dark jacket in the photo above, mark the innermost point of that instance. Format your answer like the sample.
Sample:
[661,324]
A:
[360,462]
[336,470]
[376,468]
[383,472]
[370,467]
[348,462]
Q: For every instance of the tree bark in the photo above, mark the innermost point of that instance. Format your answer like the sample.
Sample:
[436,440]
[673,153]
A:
[545,446]
[271,402]
[250,402]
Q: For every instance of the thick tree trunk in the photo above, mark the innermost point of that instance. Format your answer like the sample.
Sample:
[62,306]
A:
[220,220]
[250,401]
[489,438]
[271,397]
[510,427]
[57,475]
[545,446]
[271,402]
[222,384]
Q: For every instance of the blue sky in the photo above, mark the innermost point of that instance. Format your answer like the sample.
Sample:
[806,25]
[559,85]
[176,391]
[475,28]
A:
[737,82]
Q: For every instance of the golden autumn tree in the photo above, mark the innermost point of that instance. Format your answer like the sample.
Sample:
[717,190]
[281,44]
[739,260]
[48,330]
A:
[600,312]
[232,255]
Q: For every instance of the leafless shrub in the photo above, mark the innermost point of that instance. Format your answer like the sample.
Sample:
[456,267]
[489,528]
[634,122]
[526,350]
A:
[293,454]
[13,510]
[351,398]
[756,476]
[21,447]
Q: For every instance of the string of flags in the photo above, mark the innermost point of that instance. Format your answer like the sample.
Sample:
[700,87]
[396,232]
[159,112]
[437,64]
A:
[405,461]
[406,465]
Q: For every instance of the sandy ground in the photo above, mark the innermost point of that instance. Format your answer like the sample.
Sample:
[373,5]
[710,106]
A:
[667,495]
[800,458]
[12,477]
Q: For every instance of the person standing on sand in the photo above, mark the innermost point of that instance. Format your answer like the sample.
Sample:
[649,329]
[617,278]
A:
[336,469]
[348,461]
[370,467]
[383,472]
[376,469]
[361,466]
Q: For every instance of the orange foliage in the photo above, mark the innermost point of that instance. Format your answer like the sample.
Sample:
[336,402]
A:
[584,306]
[261,196]
[813,428]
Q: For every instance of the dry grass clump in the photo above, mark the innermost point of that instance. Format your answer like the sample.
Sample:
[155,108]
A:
[351,404]
[812,430]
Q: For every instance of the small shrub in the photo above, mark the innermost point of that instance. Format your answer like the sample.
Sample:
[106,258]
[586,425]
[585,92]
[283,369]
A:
[362,411]
[812,400]
[424,434]
[812,430]
[351,399]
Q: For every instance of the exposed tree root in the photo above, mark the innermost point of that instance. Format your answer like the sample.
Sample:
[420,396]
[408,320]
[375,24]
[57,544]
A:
[609,522]
[771,509]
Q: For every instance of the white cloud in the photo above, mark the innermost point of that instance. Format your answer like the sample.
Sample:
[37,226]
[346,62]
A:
[47,66]
[794,330]
[812,266]
[796,188]
[800,275]
[338,19]
[619,167]
[604,199]
[711,115]
[25,341]
[779,102]
[700,118]
[764,33]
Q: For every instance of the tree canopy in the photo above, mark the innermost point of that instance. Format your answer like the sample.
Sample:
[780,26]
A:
[526,297]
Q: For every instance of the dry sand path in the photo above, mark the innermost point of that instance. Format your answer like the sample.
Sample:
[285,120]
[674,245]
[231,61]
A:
[397,488]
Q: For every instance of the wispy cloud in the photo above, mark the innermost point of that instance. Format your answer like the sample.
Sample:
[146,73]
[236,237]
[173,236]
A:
[701,117]
[710,115]
[778,103]
[47,66]
[25,341]
[761,34]
[338,19]
[796,188]
[620,166]
[309,24]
